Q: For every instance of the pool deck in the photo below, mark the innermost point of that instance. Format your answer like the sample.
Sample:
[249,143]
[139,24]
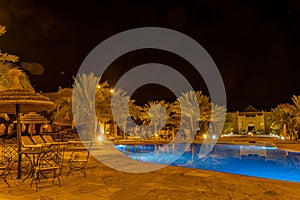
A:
[289,147]
[169,182]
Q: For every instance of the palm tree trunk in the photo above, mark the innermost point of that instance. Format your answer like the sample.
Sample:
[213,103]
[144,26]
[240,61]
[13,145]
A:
[291,134]
[284,131]
[124,130]
[205,126]
[155,128]
[192,127]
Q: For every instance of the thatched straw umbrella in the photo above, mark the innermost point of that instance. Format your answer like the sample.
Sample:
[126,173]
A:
[32,118]
[18,96]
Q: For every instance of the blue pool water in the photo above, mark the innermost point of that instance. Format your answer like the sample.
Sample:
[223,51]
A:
[259,161]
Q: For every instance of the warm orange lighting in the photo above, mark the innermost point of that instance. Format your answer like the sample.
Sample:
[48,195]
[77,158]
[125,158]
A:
[111,91]
[98,86]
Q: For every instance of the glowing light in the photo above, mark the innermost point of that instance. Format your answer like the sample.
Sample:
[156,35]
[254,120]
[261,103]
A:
[98,86]
[282,138]
[214,137]
[111,91]
[100,138]
[204,136]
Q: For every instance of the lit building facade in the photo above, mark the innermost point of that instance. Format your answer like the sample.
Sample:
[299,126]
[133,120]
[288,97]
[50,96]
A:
[249,120]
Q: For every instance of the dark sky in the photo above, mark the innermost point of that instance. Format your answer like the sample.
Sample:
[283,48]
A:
[254,43]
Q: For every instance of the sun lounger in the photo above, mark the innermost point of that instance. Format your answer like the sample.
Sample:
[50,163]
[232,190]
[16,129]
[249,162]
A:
[38,139]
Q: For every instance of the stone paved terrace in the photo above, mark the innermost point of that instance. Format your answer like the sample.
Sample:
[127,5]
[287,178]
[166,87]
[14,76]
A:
[170,182]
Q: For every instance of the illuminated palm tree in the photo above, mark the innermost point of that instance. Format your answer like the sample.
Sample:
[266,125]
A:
[103,102]
[282,117]
[217,119]
[83,104]
[199,114]
[296,111]
[158,113]
[293,113]
[186,107]
[120,105]
[205,108]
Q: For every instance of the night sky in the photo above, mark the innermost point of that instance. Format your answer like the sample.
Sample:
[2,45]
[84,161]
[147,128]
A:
[254,43]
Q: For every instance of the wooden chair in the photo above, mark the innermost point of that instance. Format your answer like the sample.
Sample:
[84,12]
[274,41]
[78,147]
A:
[49,165]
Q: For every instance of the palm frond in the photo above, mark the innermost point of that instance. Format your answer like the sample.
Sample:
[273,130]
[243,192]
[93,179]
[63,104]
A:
[2,30]
[5,57]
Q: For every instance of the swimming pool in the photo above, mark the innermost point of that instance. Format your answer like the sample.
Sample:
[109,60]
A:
[260,161]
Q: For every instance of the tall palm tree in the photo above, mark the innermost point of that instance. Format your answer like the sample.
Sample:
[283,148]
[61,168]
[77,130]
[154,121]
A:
[293,113]
[158,113]
[205,108]
[296,112]
[83,104]
[217,119]
[282,117]
[103,102]
[187,106]
[120,105]
[203,111]
[276,118]
[286,116]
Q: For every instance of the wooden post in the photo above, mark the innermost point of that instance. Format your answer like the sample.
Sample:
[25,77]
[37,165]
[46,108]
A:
[19,175]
